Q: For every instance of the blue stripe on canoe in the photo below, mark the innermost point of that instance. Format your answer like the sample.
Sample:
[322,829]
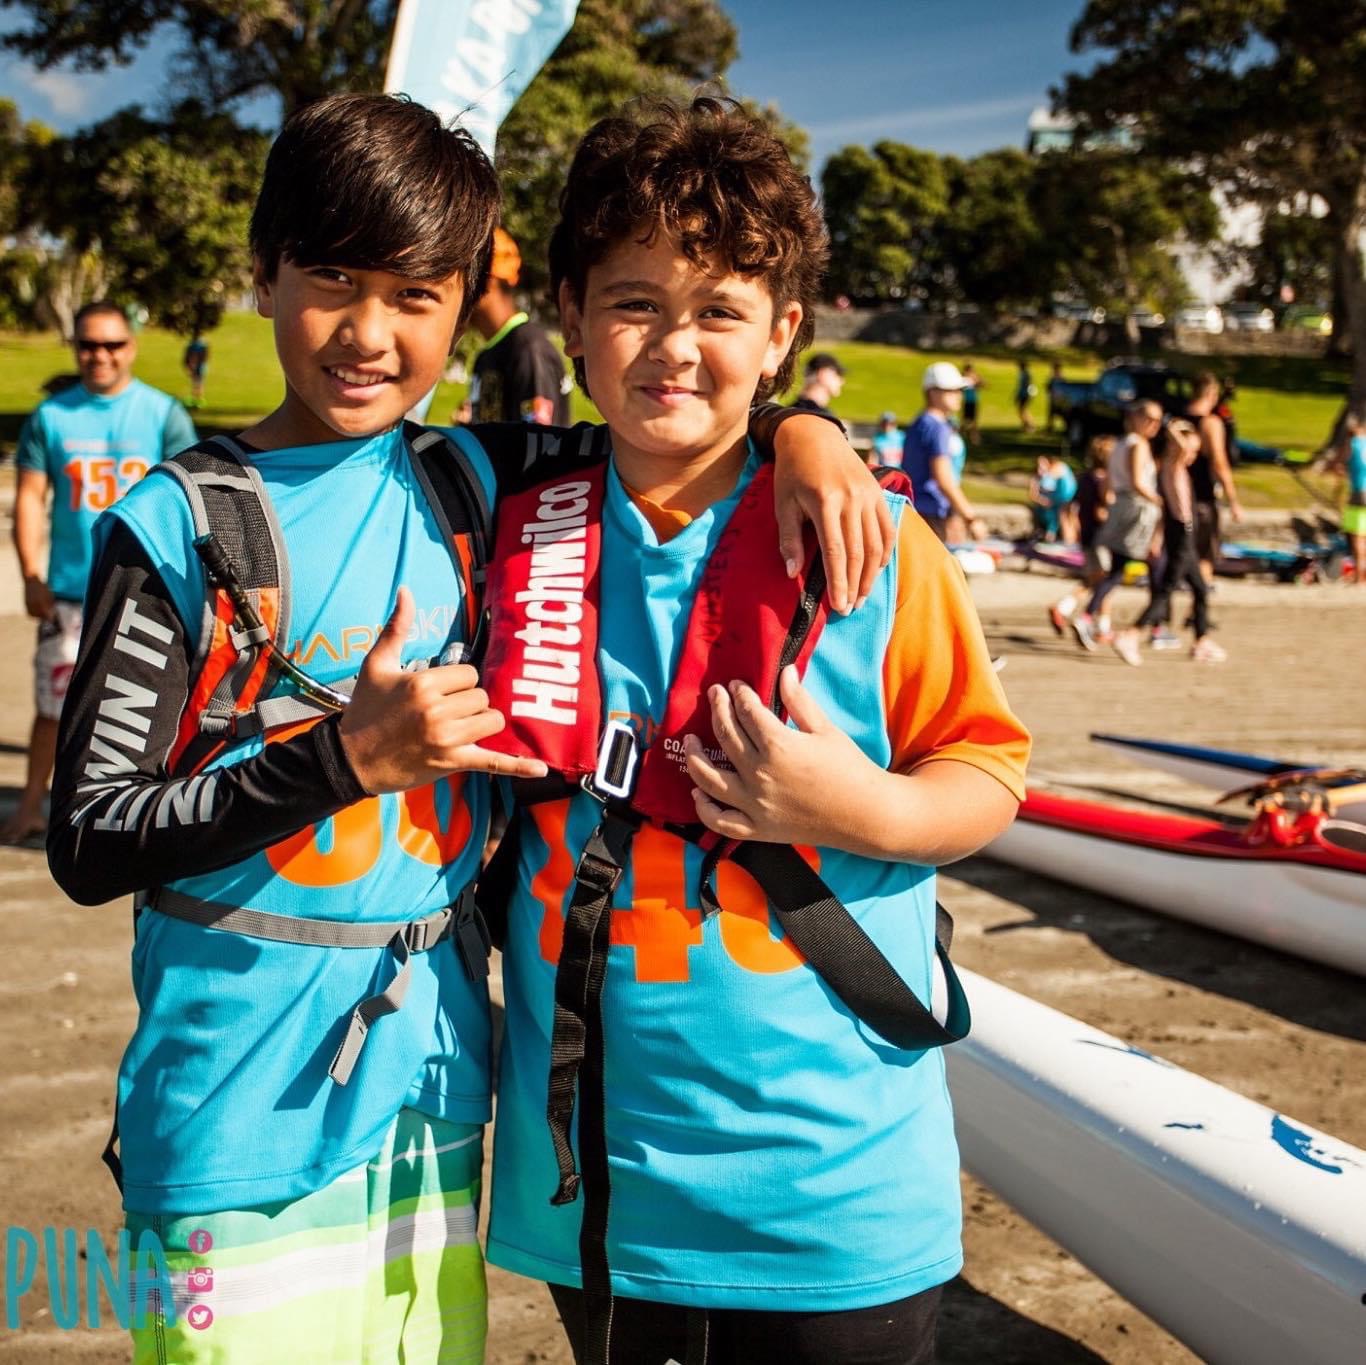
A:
[1224,758]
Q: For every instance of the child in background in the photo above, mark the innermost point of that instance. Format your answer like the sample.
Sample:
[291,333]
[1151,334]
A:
[1092,507]
[889,443]
[1181,564]
[1051,491]
[972,384]
[751,1172]
[1353,465]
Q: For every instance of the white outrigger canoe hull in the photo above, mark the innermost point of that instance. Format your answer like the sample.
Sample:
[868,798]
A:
[1241,1232]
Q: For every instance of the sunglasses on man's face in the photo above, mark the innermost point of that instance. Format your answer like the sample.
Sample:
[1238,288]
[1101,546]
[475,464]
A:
[112,347]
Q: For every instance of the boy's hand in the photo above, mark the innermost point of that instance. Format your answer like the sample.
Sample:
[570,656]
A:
[814,785]
[405,730]
[818,478]
[38,598]
[803,786]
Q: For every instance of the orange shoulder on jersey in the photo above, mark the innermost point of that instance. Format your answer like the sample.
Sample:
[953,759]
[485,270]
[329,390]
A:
[943,698]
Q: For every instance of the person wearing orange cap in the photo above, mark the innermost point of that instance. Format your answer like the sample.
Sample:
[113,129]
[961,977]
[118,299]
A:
[519,374]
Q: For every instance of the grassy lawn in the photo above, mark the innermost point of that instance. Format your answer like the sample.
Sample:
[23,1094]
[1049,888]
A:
[1288,402]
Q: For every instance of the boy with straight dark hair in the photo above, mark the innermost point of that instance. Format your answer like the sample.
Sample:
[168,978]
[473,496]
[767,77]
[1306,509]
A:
[297,791]
[723,1132]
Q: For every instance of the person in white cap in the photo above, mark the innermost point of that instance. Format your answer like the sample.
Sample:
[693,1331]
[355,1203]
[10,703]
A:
[934,456]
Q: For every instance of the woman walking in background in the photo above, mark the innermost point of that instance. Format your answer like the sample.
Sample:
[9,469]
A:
[1181,564]
[1134,516]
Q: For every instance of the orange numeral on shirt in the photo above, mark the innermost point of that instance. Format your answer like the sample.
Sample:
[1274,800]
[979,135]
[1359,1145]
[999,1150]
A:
[97,481]
[659,925]
[355,838]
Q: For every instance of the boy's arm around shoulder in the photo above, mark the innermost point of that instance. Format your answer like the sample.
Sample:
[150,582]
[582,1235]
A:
[119,822]
[818,478]
[958,753]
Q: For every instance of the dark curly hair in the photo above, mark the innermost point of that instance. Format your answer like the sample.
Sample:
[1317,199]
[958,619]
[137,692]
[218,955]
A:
[717,183]
[378,182]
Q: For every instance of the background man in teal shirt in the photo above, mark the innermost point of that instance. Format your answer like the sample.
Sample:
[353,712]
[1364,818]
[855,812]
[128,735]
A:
[86,446]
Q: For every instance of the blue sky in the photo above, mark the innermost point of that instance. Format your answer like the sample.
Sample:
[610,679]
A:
[942,74]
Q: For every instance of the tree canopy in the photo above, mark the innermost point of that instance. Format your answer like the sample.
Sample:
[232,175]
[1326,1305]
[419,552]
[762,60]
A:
[997,251]
[883,206]
[1006,230]
[228,49]
[1267,97]
[150,210]
[1113,219]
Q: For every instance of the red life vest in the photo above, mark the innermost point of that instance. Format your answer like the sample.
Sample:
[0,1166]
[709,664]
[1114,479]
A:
[749,621]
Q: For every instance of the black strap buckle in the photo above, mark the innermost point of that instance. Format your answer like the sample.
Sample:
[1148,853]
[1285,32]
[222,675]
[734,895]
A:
[600,874]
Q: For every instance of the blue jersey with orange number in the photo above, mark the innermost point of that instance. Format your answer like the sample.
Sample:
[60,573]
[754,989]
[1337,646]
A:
[93,448]
[235,1034]
[766,1148]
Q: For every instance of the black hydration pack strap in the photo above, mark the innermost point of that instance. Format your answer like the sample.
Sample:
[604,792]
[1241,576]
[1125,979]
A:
[577,1063]
[837,947]
[463,515]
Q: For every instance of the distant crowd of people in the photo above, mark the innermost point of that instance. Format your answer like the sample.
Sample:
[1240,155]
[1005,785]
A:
[1148,496]
[1155,495]
[1139,494]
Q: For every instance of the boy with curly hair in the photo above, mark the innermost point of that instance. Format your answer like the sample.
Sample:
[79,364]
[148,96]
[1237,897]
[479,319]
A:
[752,1172]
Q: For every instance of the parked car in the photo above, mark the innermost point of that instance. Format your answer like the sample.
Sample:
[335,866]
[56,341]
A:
[1148,317]
[1080,312]
[1098,408]
[1201,318]
[1249,317]
[1305,317]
